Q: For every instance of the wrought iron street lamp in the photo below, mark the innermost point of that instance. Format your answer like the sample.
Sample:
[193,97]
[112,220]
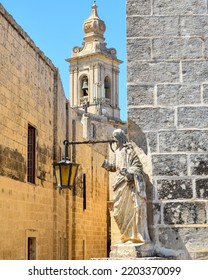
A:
[65,171]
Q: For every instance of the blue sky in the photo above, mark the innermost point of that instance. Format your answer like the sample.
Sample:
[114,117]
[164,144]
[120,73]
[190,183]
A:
[56,27]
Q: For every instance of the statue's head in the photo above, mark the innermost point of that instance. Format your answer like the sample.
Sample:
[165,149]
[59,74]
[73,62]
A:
[119,136]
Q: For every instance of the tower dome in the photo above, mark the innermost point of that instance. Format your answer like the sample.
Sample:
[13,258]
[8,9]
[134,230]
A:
[93,26]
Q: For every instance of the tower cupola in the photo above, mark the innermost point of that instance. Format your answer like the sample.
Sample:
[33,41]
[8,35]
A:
[93,26]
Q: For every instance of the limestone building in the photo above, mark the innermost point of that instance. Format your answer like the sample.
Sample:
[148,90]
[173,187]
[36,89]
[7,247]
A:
[38,220]
[167,99]
[33,120]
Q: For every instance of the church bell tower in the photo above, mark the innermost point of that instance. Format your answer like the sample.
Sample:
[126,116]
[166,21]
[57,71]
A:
[94,71]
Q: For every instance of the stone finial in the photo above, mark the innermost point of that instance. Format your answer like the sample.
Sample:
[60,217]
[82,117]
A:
[93,26]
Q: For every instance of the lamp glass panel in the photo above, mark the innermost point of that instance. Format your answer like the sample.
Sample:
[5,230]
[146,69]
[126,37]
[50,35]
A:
[73,174]
[57,174]
[65,172]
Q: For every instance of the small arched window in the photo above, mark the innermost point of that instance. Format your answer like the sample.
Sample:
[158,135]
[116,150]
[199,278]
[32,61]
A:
[84,86]
[107,87]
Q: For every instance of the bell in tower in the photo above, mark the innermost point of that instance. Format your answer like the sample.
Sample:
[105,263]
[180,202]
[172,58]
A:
[85,87]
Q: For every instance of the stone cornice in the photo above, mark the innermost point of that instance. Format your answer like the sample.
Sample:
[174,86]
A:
[95,55]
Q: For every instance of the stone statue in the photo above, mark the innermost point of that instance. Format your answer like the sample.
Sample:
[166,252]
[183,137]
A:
[129,208]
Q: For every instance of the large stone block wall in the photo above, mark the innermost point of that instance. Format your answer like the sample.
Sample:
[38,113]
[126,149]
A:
[30,93]
[167,98]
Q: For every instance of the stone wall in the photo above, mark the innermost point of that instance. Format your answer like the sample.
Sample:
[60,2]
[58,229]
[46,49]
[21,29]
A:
[30,93]
[167,98]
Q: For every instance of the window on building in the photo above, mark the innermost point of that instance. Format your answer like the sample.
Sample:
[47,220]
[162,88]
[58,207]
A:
[107,88]
[31,248]
[31,151]
[84,192]
[84,86]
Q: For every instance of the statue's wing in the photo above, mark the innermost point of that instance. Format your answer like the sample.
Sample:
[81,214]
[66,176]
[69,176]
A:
[136,135]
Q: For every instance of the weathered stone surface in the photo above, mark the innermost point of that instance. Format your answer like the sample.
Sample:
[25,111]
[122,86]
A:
[164,7]
[131,251]
[195,71]
[202,188]
[199,164]
[205,93]
[136,135]
[152,118]
[150,26]
[195,25]
[154,217]
[192,117]
[201,256]
[138,7]
[174,189]
[183,141]
[140,95]
[191,239]
[178,94]
[205,48]
[174,117]
[152,72]
[169,165]
[152,142]
[177,48]
[185,213]
[12,163]
[138,49]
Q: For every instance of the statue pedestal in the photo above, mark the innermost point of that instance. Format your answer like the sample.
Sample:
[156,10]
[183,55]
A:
[131,251]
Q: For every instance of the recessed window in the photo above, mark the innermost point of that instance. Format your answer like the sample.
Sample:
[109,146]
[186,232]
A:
[107,88]
[31,151]
[84,86]
[84,193]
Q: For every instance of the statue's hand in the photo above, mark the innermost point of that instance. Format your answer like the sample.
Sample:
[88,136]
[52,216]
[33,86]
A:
[123,171]
[108,166]
[105,164]
[129,176]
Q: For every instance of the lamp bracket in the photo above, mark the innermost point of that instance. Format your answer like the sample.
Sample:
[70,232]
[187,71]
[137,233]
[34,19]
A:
[110,141]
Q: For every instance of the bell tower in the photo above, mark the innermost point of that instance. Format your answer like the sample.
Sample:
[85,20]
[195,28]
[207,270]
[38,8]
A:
[94,71]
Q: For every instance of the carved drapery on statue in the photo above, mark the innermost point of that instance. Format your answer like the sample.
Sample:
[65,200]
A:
[129,208]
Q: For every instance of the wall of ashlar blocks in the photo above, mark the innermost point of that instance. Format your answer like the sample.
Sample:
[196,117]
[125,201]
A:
[31,93]
[167,52]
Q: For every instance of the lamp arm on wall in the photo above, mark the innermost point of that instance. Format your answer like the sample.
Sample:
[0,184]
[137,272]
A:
[66,142]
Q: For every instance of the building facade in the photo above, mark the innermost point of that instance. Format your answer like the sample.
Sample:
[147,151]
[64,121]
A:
[33,117]
[167,99]
[39,220]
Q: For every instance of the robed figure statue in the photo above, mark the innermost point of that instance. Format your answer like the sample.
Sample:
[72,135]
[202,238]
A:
[129,208]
